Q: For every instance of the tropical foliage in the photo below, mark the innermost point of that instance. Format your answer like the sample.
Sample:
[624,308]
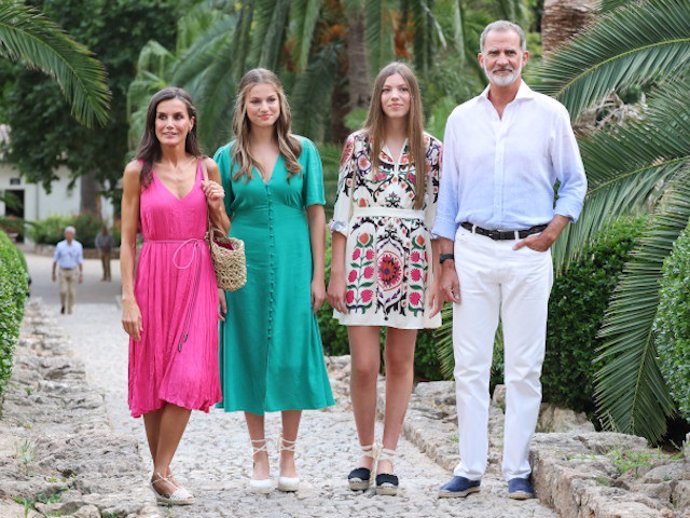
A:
[643,166]
[116,32]
[325,51]
[673,325]
[29,37]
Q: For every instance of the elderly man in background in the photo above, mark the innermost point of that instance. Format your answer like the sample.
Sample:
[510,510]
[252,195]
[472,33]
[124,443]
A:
[69,257]
[505,152]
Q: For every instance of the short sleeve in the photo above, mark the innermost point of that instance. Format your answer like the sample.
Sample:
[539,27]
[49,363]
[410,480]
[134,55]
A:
[312,171]
[343,205]
[222,158]
[433,179]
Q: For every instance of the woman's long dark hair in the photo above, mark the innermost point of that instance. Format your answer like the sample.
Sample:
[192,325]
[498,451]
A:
[149,150]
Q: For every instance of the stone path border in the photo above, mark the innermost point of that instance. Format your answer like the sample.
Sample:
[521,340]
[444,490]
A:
[57,449]
[59,436]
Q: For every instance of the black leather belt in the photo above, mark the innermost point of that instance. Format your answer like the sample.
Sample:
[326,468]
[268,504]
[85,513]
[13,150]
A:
[501,235]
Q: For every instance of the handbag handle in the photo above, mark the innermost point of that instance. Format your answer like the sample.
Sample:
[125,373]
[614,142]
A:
[211,228]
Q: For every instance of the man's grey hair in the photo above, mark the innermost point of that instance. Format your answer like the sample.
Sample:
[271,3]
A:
[70,229]
[503,25]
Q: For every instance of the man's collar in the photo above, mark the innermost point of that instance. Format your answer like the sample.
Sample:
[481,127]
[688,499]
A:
[524,92]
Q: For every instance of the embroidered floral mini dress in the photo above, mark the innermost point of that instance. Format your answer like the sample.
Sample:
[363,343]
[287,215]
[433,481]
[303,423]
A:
[388,259]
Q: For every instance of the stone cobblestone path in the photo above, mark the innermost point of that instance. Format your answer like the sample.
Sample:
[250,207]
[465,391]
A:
[214,458]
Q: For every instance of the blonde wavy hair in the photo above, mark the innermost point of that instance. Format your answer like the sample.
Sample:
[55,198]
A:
[288,145]
[374,125]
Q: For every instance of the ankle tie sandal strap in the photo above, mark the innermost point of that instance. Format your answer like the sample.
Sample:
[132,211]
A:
[387,454]
[286,445]
[259,446]
[370,450]
[180,496]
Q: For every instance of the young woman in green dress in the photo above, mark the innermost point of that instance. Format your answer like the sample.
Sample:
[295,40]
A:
[271,354]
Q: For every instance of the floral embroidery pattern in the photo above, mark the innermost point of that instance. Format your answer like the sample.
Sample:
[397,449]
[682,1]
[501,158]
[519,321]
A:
[390,271]
[388,253]
[358,294]
[418,275]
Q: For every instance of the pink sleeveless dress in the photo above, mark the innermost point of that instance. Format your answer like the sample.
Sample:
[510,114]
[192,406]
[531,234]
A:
[176,360]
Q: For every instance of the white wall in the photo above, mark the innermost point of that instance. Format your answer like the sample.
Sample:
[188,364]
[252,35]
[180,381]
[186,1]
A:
[38,204]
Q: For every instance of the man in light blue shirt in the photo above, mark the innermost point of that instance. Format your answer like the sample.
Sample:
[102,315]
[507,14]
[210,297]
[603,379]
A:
[505,151]
[69,257]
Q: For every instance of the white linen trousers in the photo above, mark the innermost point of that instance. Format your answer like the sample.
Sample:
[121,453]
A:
[497,281]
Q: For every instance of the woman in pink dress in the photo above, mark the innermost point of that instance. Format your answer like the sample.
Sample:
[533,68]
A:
[170,308]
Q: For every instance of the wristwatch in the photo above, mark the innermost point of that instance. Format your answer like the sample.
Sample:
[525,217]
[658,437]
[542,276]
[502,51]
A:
[445,257]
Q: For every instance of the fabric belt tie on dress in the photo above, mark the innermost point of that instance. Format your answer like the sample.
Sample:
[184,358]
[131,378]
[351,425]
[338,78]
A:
[388,212]
[195,286]
[502,235]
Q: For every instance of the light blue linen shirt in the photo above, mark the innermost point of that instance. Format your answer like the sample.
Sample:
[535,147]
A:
[500,173]
[68,256]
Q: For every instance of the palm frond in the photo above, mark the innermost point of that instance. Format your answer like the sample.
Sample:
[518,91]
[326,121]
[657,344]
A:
[314,87]
[627,168]
[194,25]
[305,14]
[269,27]
[632,45]
[28,36]
[215,88]
[513,10]
[201,54]
[609,5]
[378,25]
[631,394]
[459,30]
[444,342]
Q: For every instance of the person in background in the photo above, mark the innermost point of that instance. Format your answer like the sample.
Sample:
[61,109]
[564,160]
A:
[69,259]
[384,259]
[271,352]
[104,244]
[505,151]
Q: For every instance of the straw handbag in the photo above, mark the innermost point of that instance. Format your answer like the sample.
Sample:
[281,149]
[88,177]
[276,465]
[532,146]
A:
[228,257]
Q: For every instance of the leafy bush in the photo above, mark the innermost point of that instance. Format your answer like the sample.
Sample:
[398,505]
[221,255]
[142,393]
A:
[87,227]
[673,323]
[578,302]
[13,291]
[52,229]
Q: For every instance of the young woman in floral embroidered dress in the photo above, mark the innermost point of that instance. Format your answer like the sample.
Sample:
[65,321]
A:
[382,267]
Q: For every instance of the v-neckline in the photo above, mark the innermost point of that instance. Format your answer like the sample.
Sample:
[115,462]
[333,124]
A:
[196,174]
[273,171]
[387,150]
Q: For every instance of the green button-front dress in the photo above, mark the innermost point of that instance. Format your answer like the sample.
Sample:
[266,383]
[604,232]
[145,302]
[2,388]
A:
[271,357]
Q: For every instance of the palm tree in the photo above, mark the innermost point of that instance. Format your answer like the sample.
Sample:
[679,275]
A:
[643,166]
[29,37]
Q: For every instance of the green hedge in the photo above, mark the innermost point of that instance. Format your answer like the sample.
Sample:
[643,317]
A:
[672,323]
[13,291]
[578,302]
[52,229]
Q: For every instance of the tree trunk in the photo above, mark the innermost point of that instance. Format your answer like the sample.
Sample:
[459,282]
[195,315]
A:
[358,69]
[562,19]
[90,199]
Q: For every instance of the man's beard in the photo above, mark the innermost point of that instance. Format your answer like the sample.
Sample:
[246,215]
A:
[502,80]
